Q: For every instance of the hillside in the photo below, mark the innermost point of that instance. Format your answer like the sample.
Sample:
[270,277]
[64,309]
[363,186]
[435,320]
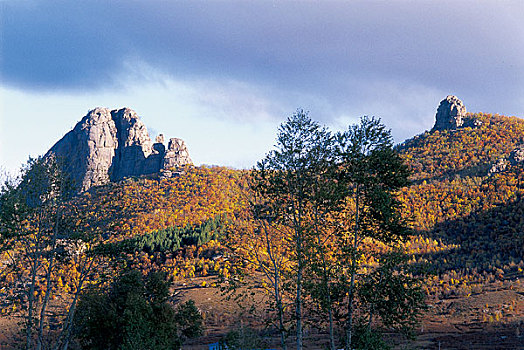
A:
[468,220]
[465,152]
[456,199]
[472,218]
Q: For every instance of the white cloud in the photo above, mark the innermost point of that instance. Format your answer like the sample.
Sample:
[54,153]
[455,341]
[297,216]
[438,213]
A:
[223,123]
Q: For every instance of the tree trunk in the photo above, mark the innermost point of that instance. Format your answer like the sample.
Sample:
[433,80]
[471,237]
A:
[48,284]
[330,307]
[325,282]
[35,266]
[300,268]
[65,333]
[276,288]
[349,329]
[331,329]
[351,296]
[30,302]
[280,309]
[298,313]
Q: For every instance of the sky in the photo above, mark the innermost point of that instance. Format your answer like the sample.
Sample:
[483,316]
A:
[222,75]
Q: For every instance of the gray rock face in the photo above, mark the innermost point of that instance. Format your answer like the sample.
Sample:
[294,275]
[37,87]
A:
[176,154]
[517,155]
[109,145]
[499,166]
[450,114]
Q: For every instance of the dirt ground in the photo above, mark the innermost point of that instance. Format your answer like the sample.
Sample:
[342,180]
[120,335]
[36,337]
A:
[459,323]
[491,320]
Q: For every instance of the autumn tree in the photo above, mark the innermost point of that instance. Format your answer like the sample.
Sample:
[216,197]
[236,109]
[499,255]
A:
[45,240]
[286,183]
[373,173]
[391,296]
[269,253]
[328,200]
[31,220]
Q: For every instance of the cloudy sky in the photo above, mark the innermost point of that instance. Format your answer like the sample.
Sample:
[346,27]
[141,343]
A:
[224,74]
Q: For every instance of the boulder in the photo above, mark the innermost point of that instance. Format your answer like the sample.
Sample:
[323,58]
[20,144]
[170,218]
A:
[517,155]
[450,114]
[499,166]
[176,154]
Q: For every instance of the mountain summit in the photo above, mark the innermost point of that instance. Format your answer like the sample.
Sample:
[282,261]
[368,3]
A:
[452,115]
[109,145]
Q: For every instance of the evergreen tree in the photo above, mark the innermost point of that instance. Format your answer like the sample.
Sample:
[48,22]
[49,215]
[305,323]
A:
[134,314]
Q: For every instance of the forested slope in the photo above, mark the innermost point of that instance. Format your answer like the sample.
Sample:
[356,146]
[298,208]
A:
[466,152]
[468,223]
[468,220]
[472,220]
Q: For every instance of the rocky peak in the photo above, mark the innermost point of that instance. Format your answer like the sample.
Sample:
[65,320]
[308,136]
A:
[133,132]
[109,145]
[450,114]
[176,154]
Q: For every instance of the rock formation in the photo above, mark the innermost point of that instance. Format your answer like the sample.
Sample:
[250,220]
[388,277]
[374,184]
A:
[450,114]
[176,154]
[109,145]
[515,157]
[499,166]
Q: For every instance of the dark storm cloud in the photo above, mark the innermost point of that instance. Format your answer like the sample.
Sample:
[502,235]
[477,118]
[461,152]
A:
[335,52]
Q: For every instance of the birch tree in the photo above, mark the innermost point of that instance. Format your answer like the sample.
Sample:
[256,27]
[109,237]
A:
[39,235]
[372,172]
[286,179]
[31,219]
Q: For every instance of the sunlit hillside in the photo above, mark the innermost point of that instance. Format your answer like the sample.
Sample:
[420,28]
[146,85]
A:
[468,224]
[473,221]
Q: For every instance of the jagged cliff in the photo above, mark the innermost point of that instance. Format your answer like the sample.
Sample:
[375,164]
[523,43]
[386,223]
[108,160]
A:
[109,145]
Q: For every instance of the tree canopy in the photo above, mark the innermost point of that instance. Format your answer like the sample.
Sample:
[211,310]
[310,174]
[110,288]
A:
[322,196]
[134,313]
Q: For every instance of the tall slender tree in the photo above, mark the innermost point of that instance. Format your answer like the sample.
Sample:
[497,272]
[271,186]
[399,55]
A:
[270,255]
[372,172]
[30,223]
[285,178]
[39,232]
[319,198]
